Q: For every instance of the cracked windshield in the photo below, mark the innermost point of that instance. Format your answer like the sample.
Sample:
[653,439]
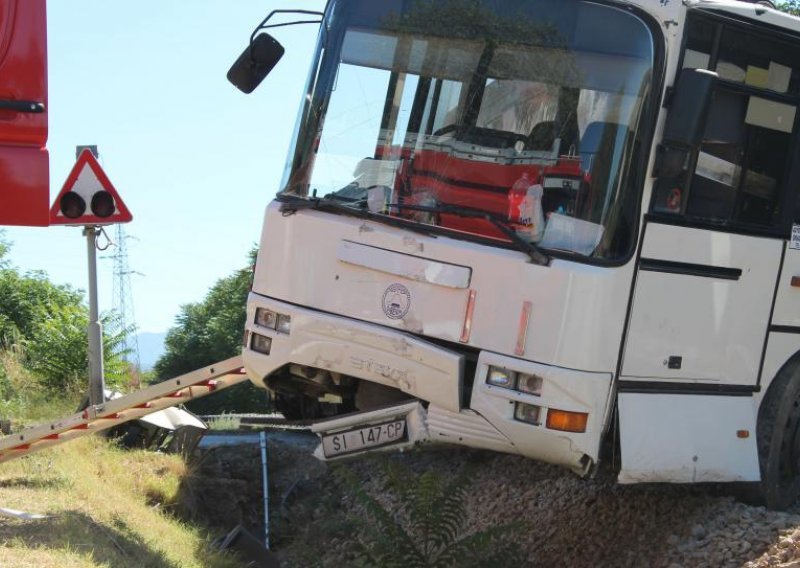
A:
[516,115]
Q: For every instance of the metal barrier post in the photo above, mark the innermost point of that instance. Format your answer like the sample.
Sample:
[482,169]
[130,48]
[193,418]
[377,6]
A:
[263,439]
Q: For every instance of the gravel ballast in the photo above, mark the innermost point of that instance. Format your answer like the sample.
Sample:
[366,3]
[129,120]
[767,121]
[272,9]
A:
[569,521]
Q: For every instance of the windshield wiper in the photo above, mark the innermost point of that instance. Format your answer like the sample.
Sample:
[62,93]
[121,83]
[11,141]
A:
[529,248]
[291,204]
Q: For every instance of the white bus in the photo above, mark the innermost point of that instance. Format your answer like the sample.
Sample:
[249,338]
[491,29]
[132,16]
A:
[564,229]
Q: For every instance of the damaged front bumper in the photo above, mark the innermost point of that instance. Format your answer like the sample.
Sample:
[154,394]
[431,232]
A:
[434,375]
[349,347]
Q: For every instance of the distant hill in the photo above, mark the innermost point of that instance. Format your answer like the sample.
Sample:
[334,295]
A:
[151,347]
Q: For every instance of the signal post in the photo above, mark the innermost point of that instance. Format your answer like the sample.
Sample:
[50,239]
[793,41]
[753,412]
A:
[88,199]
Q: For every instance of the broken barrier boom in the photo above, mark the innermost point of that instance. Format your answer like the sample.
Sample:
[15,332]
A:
[195,384]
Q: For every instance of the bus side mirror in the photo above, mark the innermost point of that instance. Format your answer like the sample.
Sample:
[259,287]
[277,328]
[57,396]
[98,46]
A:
[683,131]
[255,63]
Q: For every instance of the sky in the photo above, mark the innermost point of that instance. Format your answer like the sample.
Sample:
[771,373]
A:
[195,160]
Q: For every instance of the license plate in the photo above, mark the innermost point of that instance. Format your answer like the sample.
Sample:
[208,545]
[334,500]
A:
[364,438]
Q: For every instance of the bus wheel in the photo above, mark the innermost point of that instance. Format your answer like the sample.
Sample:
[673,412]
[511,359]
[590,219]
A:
[779,440]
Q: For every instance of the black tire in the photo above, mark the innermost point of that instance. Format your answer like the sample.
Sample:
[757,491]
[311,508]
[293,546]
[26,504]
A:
[779,440]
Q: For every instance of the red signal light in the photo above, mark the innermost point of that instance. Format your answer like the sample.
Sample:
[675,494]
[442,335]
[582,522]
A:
[103,204]
[72,205]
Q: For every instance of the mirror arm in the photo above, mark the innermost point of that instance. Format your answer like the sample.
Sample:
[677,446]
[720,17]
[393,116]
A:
[263,25]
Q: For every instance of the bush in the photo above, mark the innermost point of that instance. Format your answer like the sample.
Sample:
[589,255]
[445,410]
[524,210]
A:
[43,330]
[427,527]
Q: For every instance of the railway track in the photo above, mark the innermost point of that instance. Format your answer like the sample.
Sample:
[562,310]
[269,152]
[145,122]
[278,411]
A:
[259,421]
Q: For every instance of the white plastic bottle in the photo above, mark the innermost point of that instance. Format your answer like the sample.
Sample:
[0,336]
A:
[531,218]
[516,197]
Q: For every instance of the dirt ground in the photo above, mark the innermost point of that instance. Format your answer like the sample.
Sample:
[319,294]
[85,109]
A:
[568,521]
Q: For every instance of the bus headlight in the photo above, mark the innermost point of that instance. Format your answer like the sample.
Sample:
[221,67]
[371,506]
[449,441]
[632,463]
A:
[284,324]
[266,318]
[527,413]
[273,320]
[260,343]
[500,377]
[529,384]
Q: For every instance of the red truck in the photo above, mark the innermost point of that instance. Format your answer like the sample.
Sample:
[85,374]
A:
[24,165]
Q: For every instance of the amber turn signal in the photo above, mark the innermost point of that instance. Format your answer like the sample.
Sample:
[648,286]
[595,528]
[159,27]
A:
[567,421]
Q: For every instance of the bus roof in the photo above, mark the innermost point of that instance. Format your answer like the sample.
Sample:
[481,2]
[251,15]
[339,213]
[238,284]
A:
[750,11]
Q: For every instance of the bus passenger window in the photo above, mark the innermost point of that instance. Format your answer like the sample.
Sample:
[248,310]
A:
[758,61]
[699,44]
[716,175]
[741,162]
[737,176]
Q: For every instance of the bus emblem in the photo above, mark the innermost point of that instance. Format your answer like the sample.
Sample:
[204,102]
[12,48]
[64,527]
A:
[396,301]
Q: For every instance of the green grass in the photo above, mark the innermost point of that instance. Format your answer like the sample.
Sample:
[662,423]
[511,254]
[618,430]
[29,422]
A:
[23,399]
[105,507]
[224,422]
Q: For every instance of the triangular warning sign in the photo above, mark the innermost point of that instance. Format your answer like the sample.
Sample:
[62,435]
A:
[87,197]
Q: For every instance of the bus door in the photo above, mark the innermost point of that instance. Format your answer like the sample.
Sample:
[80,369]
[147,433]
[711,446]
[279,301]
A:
[711,255]
[24,167]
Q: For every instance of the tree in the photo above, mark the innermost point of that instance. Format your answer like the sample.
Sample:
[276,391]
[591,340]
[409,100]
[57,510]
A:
[59,355]
[45,324]
[27,300]
[210,331]
[4,246]
[790,6]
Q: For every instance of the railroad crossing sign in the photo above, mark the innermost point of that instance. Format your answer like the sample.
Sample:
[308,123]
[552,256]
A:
[88,197]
